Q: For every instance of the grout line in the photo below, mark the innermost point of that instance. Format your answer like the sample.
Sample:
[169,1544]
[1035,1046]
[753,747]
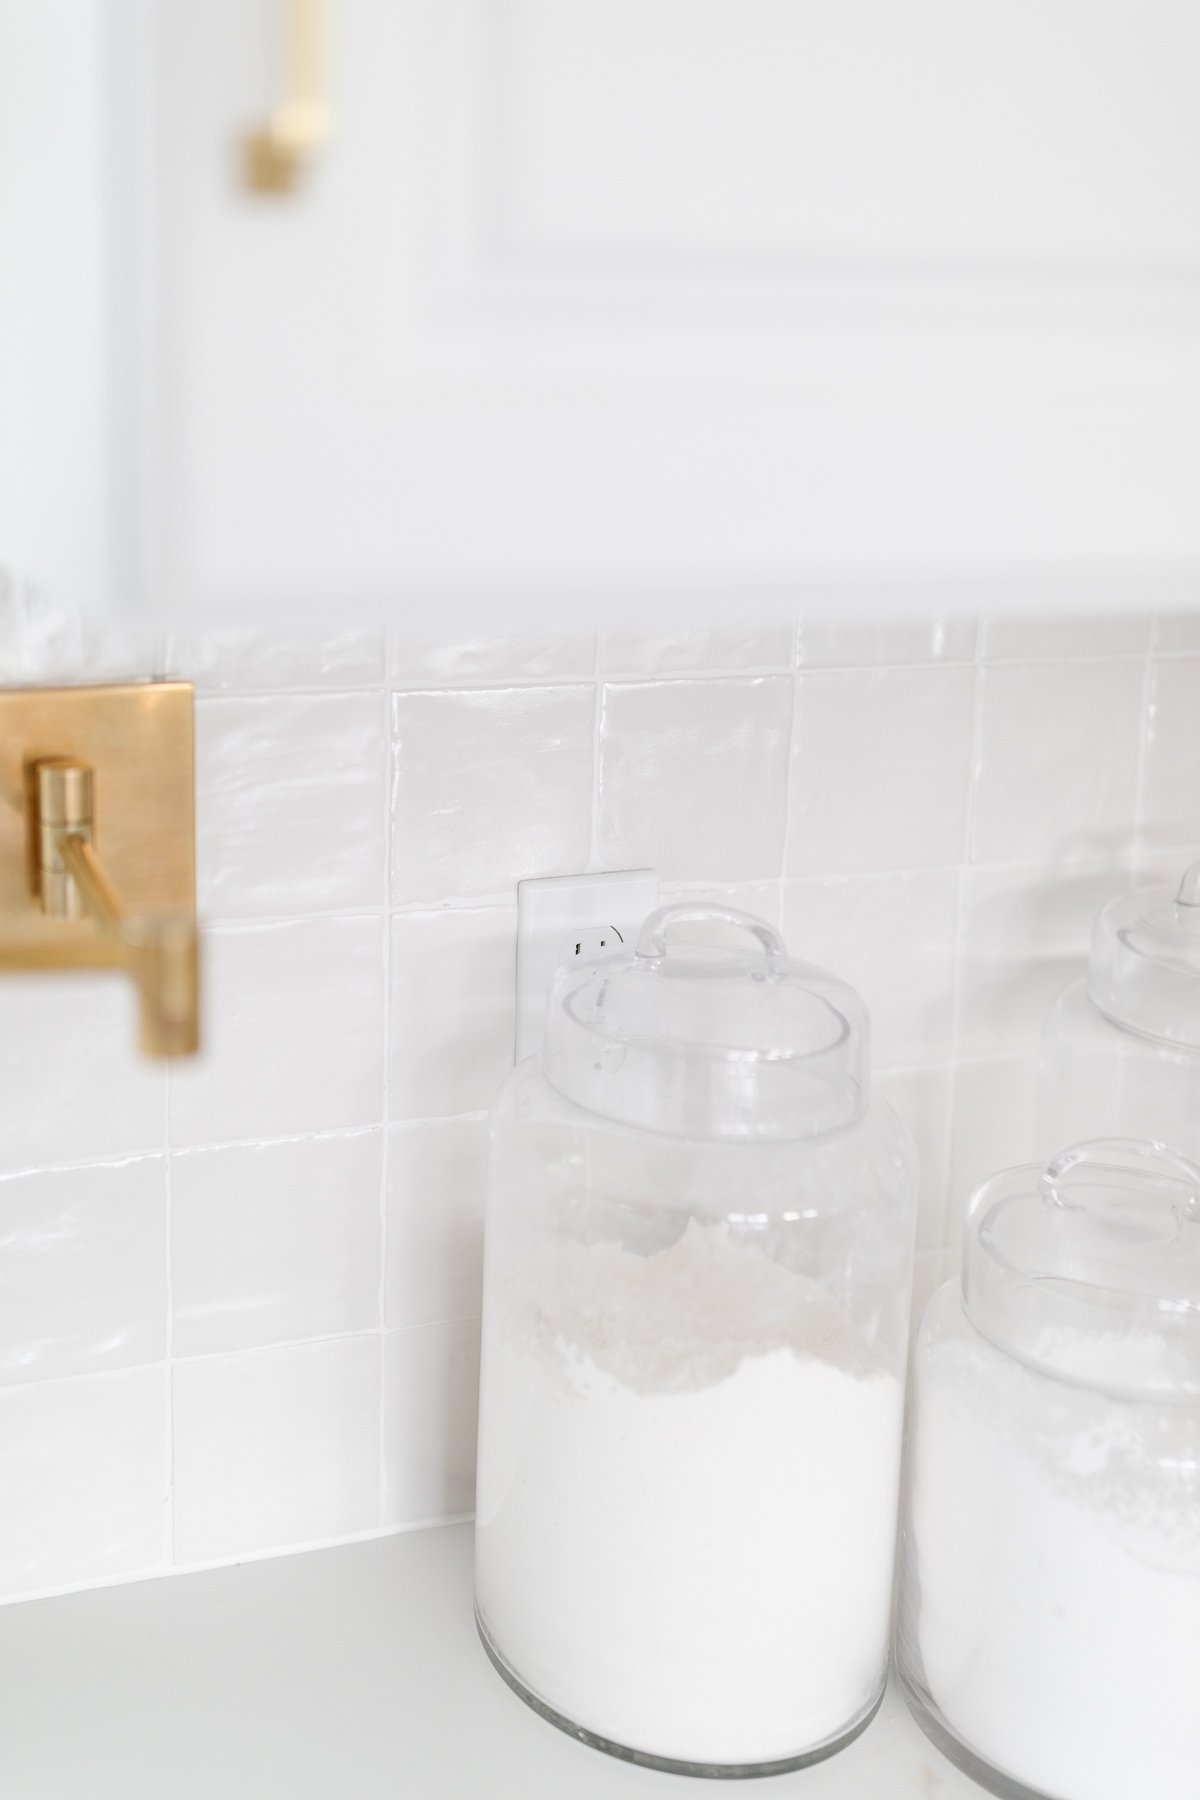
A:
[597,735]
[960,936]
[1143,769]
[789,774]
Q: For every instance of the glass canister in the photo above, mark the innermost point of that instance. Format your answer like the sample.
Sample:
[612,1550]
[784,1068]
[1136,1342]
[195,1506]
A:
[697,1274]
[1049,1630]
[1121,1047]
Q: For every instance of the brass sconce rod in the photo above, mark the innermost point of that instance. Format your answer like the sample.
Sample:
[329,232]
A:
[277,155]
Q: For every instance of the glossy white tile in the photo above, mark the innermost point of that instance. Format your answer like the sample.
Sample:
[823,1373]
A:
[424,659]
[881,770]
[83,1269]
[453,1000]
[893,937]
[1057,761]
[290,804]
[762,898]
[1011,637]
[693,778]
[232,660]
[276,1447]
[857,641]
[489,787]
[1026,933]
[1171,799]
[74,1086]
[44,642]
[431,1405]
[1177,631]
[83,1475]
[271,1243]
[293,1033]
[685,651]
[436,1190]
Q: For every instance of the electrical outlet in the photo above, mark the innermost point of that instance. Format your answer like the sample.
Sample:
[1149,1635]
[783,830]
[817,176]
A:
[560,917]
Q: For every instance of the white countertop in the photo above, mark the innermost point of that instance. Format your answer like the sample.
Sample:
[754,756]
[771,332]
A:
[348,1674]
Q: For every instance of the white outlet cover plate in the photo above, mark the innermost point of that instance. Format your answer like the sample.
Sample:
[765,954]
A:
[550,912]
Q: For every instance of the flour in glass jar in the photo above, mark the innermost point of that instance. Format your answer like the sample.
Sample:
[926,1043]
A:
[687,1491]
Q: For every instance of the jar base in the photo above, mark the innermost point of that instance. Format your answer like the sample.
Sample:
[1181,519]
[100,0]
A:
[669,1764]
[940,1735]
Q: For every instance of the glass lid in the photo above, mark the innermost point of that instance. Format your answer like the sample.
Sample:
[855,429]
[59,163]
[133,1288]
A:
[1144,972]
[1090,1269]
[720,1036]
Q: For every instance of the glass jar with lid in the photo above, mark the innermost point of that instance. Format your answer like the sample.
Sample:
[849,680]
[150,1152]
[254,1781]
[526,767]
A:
[1049,1628]
[1121,1046]
[697,1274]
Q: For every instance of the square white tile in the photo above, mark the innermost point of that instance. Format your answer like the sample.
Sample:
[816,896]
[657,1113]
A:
[1171,802]
[75,1086]
[431,1408]
[1057,761]
[893,937]
[881,770]
[271,1243]
[716,650]
[293,1033]
[290,796]
[437,1176]
[761,898]
[693,778]
[454,1008]
[845,639]
[424,659]
[230,659]
[1015,636]
[1026,934]
[83,1474]
[83,1269]
[488,788]
[276,1447]
[1177,631]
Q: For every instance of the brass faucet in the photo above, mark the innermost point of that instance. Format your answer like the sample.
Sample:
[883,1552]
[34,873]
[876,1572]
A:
[86,922]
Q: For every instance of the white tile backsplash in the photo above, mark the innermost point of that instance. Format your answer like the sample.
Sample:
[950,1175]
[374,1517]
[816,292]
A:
[693,778]
[881,770]
[83,1474]
[487,782]
[277,778]
[264,1273]
[276,1447]
[272,1243]
[83,1269]
[293,1033]
[431,1404]
[453,1010]
[1057,757]
[72,1085]
[436,1179]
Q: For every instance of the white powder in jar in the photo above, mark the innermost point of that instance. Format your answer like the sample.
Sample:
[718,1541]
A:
[686,1505]
[1055,1537]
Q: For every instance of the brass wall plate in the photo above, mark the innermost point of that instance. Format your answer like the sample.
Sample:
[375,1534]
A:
[138,738]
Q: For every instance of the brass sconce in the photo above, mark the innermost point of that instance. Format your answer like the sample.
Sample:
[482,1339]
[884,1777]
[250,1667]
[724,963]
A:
[277,154]
[97,844]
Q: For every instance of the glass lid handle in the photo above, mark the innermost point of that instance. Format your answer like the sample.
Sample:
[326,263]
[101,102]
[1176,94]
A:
[652,940]
[1189,887]
[1122,1163]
